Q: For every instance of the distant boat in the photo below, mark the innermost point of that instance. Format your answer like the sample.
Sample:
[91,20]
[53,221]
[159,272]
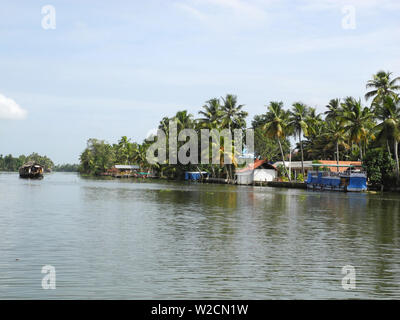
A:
[31,170]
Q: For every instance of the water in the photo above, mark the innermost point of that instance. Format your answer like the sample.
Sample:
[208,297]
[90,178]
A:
[120,239]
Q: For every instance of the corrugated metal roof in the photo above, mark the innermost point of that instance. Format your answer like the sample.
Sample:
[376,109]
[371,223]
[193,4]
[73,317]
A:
[126,166]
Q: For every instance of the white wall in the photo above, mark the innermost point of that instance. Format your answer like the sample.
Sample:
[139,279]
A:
[244,178]
[264,175]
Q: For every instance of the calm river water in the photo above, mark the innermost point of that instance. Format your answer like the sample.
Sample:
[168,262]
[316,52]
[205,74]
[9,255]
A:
[120,239]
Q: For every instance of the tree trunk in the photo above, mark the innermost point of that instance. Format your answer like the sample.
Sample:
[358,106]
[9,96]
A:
[388,148]
[302,156]
[283,157]
[337,155]
[396,155]
[361,153]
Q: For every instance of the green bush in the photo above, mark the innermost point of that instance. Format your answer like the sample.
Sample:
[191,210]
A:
[300,177]
[380,168]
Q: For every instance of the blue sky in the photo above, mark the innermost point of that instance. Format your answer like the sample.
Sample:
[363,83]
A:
[113,68]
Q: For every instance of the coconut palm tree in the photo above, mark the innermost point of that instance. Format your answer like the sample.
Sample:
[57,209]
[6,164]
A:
[314,123]
[211,114]
[124,150]
[389,128]
[382,85]
[333,109]
[277,125]
[358,121]
[140,156]
[184,120]
[232,116]
[298,123]
[335,134]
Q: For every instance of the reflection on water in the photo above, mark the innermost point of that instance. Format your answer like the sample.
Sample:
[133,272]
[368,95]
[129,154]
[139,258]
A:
[158,240]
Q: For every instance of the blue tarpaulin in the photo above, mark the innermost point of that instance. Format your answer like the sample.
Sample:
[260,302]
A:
[194,176]
[357,184]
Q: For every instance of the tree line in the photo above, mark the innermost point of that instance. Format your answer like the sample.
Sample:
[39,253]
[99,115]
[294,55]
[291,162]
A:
[347,130]
[219,114]
[10,163]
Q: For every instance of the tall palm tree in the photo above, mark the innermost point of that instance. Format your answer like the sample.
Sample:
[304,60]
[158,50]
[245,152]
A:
[277,125]
[233,117]
[335,134]
[124,150]
[184,120]
[314,122]
[140,156]
[358,121]
[389,128]
[382,85]
[211,114]
[333,109]
[298,122]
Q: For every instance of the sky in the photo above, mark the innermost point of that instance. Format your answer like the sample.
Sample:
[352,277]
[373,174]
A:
[104,69]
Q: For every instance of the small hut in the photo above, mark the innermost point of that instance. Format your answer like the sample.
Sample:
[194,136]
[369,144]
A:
[259,171]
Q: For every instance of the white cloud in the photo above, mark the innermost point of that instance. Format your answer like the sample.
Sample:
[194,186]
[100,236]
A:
[9,109]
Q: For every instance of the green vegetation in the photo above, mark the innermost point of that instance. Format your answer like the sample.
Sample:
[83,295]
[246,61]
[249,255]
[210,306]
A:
[66,167]
[219,114]
[347,130]
[380,168]
[9,163]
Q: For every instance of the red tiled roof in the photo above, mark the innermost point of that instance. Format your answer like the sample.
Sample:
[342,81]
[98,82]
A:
[253,165]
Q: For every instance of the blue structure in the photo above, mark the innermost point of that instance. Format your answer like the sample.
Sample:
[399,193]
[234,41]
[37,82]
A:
[357,183]
[195,175]
[345,181]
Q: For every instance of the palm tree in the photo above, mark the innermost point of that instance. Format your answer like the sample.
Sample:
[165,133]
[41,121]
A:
[140,156]
[314,123]
[124,150]
[232,115]
[164,125]
[333,109]
[389,128]
[358,121]
[277,125]
[184,120]
[335,134]
[298,122]
[211,114]
[382,85]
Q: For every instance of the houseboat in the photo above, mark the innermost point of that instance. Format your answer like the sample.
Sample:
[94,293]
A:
[352,179]
[31,170]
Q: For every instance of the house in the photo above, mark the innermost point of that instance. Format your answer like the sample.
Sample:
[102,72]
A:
[258,171]
[295,166]
[123,170]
